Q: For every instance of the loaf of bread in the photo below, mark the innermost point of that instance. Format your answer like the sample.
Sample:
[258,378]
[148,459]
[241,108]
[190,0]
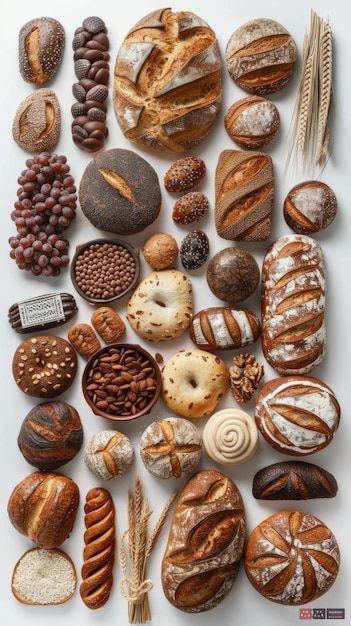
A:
[244,194]
[224,328]
[108,324]
[167,81]
[99,550]
[297,415]
[292,558]
[293,305]
[43,507]
[205,543]
[293,480]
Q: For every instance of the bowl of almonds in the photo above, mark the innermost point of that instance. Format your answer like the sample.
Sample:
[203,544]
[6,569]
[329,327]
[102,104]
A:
[121,382]
[104,270]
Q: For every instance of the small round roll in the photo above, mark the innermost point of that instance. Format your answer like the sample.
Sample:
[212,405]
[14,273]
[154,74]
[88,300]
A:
[230,437]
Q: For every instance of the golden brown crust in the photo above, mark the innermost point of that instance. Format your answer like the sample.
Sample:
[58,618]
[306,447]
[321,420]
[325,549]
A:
[252,122]
[108,324]
[84,339]
[224,328]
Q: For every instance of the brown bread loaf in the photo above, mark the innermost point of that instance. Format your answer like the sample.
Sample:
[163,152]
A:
[99,550]
[41,44]
[224,328]
[43,507]
[297,415]
[293,480]
[293,304]
[205,543]
[244,193]
[309,207]
[292,558]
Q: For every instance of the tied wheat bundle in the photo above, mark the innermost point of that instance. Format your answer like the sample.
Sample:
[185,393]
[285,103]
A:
[135,586]
[309,139]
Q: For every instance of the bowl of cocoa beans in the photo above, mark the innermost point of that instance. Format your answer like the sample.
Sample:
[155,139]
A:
[121,381]
[104,270]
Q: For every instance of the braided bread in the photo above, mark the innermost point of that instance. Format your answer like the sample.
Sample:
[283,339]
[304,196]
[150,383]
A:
[99,551]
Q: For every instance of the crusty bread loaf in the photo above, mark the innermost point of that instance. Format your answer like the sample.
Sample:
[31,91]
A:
[43,506]
[293,305]
[224,328]
[167,82]
[293,480]
[99,550]
[292,558]
[244,193]
[205,543]
[297,415]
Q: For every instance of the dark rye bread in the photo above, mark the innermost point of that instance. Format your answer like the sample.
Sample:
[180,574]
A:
[293,480]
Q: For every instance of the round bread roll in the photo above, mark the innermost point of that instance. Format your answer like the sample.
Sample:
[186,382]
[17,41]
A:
[292,558]
[160,251]
[171,448]
[193,382]
[51,435]
[252,122]
[309,207]
[230,437]
[167,81]
[44,366]
[44,577]
[161,306]
[109,454]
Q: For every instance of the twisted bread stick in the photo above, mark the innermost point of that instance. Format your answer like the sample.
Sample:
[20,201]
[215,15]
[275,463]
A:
[99,551]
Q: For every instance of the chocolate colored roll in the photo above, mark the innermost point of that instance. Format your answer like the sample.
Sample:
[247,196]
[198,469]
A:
[293,480]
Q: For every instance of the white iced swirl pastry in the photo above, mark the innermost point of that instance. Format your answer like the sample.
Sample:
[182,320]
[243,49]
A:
[230,437]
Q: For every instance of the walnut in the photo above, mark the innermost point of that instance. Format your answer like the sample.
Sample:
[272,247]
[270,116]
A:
[245,374]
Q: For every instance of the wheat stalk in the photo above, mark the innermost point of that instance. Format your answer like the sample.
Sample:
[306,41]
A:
[326,93]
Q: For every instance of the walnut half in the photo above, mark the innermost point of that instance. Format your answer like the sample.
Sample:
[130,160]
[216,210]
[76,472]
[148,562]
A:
[245,374]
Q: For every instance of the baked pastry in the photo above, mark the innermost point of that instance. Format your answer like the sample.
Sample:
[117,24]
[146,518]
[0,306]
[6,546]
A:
[297,415]
[260,56]
[293,305]
[184,174]
[230,437]
[84,339]
[233,274]
[37,123]
[160,251]
[161,306]
[244,195]
[193,382]
[99,549]
[43,507]
[44,366]
[171,448]
[309,207]
[194,249]
[292,558]
[36,576]
[190,207]
[224,328]
[205,543]
[119,192]
[108,324]
[41,44]
[42,312]
[51,435]
[252,122]
[293,480]
[109,454]
[167,82]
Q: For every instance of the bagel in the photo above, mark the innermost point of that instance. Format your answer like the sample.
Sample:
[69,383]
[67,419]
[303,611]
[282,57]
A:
[193,381]
[161,306]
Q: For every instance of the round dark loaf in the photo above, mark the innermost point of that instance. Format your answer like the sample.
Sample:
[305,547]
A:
[224,328]
[205,543]
[293,480]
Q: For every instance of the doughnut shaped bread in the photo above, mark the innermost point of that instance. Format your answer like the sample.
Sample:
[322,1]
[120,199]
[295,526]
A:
[161,306]
[230,437]
[193,382]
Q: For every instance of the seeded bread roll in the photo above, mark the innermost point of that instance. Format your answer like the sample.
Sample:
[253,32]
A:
[41,44]
[293,480]
[293,305]
[37,123]
[224,328]
[205,543]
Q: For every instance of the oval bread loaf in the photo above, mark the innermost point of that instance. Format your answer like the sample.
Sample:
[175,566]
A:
[205,543]
[224,328]
[293,480]
[293,305]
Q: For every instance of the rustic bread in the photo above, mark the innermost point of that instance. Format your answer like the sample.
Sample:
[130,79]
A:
[293,480]
[205,543]
[224,328]
[293,304]
[167,81]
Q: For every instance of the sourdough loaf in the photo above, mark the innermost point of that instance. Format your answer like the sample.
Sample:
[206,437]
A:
[293,480]
[205,543]
[224,328]
[293,305]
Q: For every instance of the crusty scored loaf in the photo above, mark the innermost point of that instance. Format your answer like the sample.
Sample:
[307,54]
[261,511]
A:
[293,305]
[205,543]
[224,328]
[167,81]
[293,480]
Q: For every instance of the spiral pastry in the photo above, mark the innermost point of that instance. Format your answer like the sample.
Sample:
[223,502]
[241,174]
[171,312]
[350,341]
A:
[99,551]
[230,437]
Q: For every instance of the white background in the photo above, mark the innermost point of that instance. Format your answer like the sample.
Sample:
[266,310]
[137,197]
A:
[244,605]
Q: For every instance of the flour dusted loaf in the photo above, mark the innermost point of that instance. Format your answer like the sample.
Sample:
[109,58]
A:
[167,81]
[224,328]
[292,558]
[205,543]
[293,305]
[244,194]
[297,415]
[293,480]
